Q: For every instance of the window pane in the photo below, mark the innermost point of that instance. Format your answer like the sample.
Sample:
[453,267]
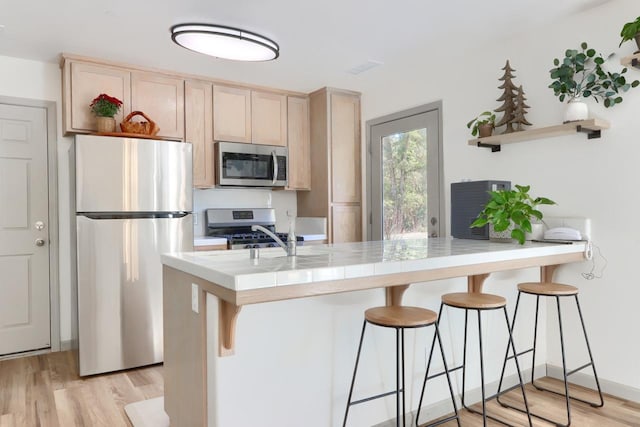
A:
[404,192]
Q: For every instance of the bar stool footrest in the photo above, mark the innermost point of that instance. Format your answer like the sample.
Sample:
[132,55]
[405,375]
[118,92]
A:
[588,402]
[437,423]
[377,396]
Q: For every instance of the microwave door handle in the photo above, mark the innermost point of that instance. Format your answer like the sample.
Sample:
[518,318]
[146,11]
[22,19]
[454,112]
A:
[275,167]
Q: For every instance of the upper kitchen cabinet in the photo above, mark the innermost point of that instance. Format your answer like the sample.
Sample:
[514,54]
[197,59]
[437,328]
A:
[85,81]
[268,118]
[336,168]
[298,136]
[160,96]
[162,99]
[231,114]
[198,103]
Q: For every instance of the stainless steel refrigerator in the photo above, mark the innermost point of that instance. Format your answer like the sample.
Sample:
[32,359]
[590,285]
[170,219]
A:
[133,202]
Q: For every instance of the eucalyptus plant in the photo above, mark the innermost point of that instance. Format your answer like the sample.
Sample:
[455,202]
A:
[507,207]
[580,74]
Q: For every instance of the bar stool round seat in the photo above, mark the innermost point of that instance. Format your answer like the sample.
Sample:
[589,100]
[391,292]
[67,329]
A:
[400,316]
[547,289]
[476,301]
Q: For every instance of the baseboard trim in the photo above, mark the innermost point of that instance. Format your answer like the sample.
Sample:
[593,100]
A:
[584,379]
[472,396]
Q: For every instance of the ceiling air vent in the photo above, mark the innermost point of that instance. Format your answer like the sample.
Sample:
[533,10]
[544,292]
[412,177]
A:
[359,69]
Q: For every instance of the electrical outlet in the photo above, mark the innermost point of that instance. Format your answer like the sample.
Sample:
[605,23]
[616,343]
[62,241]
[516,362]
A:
[194,297]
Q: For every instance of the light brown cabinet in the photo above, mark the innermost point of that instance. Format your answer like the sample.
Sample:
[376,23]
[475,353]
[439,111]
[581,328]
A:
[336,167]
[82,83]
[162,99]
[299,143]
[268,118]
[251,116]
[159,96]
[231,114]
[199,130]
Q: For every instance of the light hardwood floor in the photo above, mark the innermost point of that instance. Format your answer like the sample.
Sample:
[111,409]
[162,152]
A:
[45,391]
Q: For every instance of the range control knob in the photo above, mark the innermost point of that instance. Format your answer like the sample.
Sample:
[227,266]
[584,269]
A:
[248,246]
[256,246]
[271,245]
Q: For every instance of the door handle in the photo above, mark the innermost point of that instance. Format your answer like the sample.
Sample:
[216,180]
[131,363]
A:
[275,167]
[39,242]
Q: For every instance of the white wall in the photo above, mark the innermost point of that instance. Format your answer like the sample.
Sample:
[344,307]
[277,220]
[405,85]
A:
[41,81]
[597,178]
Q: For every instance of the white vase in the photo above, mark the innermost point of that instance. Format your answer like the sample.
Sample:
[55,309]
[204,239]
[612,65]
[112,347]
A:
[576,110]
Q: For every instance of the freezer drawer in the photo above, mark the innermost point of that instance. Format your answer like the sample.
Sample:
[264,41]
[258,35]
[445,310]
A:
[120,289]
[132,175]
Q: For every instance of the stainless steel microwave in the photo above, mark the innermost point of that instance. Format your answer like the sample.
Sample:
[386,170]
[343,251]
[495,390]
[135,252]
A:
[250,165]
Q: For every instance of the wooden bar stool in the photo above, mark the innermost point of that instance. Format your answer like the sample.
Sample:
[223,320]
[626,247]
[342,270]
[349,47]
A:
[556,290]
[478,302]
[400,318]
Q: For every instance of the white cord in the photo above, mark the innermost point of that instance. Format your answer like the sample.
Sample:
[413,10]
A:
[589,255]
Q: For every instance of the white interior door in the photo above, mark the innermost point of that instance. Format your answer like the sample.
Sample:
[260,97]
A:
[24,235]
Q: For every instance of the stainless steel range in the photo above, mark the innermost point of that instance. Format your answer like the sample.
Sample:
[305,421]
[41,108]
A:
[235,226]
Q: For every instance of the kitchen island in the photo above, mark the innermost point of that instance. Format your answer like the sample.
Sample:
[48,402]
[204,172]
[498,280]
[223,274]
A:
[288,360]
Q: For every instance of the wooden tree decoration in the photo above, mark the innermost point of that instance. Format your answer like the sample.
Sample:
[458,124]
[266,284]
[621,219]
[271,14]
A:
[520,111]
[508,97]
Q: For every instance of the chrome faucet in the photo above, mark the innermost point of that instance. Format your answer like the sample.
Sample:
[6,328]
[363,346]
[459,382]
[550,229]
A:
[289,247]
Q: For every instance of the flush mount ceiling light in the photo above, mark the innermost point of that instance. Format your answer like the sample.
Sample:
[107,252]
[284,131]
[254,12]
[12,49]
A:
[225,42]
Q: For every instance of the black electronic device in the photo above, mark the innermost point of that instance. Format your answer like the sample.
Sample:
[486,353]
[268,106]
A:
[468,198]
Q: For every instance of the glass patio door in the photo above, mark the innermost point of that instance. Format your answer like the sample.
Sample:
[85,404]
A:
[405,177]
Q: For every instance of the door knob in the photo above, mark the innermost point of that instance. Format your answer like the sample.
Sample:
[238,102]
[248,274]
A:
[39,225]
[39,242]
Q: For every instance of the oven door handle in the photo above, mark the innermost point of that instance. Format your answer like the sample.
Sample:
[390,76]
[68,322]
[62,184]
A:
[275,167]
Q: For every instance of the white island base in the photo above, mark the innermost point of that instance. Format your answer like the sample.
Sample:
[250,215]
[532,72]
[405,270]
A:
[292,360]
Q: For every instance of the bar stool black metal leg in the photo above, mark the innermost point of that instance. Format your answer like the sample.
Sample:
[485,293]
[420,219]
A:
[436,335]
[506,356]
[535,344]
[593,366]
[564,363]
[397,378]
[484,400]
[464,360]
[446,370]
[513,347]
[404,410]
[355,369]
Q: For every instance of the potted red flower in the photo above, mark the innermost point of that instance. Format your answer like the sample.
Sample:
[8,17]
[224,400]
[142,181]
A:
[105,107]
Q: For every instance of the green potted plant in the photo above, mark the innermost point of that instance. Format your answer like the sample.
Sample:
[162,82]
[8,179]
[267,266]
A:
[581,75]
[483,124]
[105,107]
[630,31]
[511,209]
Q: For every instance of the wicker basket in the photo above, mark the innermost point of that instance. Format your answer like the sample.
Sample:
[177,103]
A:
[144,128]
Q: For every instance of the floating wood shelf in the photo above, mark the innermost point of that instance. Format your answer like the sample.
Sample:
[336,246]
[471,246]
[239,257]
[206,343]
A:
[631,60]
[591,127]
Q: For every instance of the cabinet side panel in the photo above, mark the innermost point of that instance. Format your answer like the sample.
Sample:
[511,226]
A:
[299,144]
[199,131]
[345,148]
[316,201]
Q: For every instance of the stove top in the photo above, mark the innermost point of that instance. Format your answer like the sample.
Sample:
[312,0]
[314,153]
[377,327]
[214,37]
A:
[235,226]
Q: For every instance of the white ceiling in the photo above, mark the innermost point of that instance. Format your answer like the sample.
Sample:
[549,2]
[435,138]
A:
[319,41]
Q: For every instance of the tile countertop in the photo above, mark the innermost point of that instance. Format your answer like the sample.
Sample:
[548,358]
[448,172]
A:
[234,270]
